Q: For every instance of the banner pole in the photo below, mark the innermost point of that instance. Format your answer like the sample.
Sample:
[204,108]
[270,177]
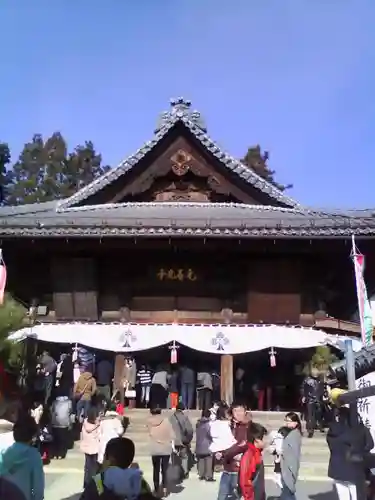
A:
[350,366]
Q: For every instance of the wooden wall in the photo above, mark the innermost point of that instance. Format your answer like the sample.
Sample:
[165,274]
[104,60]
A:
[259,287]
[274,290]
[75,290]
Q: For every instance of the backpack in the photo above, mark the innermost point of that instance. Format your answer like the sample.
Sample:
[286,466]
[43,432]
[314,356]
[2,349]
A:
[185,436]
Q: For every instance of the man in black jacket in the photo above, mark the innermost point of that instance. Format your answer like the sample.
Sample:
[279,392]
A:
[312,393]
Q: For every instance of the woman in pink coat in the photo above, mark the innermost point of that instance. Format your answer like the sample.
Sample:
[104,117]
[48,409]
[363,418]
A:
[89,444]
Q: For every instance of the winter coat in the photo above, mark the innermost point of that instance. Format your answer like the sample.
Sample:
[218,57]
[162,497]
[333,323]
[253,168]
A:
[119,484]
[161,435]
[230,459]
[187,376]
[10,491]
[85,387]
[173,382]
[22,465]
[203,437]
[343,441]
[291,458]
[48,363]
[251,479]
[66,380]
[61,412]
[161,378]
[182,428]
[90,434]
[221,435]
[204,380]
[110,427]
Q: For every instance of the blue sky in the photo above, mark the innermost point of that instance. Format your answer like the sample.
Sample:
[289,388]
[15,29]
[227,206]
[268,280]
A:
[295,76]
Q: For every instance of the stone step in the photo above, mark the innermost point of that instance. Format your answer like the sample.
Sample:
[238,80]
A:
[143,451]
[74,463]
[308,448]
[271,420]
[143,448]
[257,415]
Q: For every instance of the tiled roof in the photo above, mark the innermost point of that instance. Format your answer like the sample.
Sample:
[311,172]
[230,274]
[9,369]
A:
[182,219]
[181,113]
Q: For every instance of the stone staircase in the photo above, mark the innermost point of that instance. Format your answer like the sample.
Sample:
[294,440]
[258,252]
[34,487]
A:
[315,452]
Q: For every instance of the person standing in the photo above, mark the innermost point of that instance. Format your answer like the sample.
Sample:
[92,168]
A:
[89,444]
[251,474]
[173,379]
[187,386]
[144,377]
[348,445]
[183,431]
[84,389]
[66,379]
[61,423]
[49,369]
[21,462]
[239,385]
[290,456]
[159,388]
[104,377]
[205,463]
[130,376]
[162,438]
[204,387]
[312,393]
[232,456]
[110,427]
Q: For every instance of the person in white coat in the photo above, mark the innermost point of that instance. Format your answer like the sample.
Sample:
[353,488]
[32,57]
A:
[221,434]
[110,427]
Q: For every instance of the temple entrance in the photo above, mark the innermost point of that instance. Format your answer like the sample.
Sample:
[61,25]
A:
[265,387]
[197,360]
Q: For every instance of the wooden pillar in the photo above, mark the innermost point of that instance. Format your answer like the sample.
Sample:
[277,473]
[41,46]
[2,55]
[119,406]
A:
[118,379]
[227,365]
[227,378]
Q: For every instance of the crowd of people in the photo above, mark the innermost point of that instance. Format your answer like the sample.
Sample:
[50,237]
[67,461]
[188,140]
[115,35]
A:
[78,401]
[226,439]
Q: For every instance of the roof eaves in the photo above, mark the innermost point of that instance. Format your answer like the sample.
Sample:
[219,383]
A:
[244,232]
[238,167]
[116,172]
[201,135]
[29,208]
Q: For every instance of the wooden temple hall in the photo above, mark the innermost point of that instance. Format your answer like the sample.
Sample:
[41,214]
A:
[182,242]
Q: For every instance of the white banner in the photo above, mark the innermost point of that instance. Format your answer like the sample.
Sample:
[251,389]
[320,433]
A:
[366,406]
[217,339]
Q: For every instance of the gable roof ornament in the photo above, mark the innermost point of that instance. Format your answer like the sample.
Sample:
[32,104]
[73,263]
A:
[181,112]
[180,108]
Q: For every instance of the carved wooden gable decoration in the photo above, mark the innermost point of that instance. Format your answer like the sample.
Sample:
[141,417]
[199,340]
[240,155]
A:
[181,163]
[180,173]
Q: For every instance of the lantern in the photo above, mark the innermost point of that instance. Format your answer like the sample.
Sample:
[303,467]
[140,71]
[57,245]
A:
[173,348]
[272,354]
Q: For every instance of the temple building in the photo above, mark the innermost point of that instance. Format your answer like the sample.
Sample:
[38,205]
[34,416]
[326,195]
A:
[181,233]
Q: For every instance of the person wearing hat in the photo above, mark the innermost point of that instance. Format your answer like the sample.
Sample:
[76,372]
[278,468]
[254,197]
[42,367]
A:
[334,395]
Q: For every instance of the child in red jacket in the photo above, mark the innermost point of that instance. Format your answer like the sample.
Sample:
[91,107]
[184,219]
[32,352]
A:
[251,475]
